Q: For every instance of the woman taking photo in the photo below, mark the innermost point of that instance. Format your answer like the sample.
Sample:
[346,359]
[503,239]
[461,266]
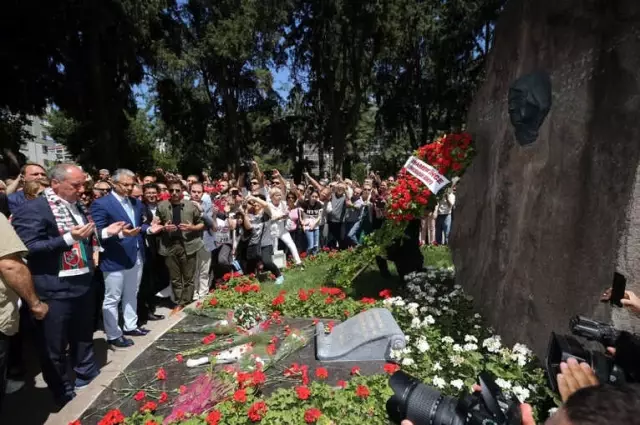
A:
[312,210]
[257,237]
[281,223]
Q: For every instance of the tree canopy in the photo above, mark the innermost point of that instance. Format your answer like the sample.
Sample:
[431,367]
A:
[389,74]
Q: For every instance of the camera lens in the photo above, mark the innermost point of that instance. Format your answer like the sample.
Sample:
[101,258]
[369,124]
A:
[419,403]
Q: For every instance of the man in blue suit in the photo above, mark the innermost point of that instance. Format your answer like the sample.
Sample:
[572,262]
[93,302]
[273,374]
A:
[123,256]
[61,240]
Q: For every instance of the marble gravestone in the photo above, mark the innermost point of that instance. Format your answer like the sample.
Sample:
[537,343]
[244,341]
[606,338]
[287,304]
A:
[367,336]
[539,230]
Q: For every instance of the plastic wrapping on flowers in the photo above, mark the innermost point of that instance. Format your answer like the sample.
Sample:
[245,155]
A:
[408,199]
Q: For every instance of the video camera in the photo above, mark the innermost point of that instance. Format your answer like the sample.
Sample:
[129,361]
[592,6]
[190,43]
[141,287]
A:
[424,405]
[622,367]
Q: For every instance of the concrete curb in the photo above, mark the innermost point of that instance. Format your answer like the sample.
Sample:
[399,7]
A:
[117,361]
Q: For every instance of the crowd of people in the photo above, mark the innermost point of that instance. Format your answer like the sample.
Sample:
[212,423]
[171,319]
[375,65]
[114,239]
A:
[115,246]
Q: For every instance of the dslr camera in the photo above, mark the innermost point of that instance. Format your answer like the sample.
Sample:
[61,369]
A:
[424,405]
[617,369]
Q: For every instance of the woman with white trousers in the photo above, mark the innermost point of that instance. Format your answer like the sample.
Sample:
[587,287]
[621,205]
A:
[279,228]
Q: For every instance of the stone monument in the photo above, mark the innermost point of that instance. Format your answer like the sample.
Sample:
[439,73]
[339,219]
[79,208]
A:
[540,229]
[367,336]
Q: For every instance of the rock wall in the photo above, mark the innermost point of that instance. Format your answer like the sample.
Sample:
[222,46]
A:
[540,230]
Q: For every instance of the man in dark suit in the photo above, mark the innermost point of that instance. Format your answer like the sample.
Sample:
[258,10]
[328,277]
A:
[123,257]
[155,276]
[60,239]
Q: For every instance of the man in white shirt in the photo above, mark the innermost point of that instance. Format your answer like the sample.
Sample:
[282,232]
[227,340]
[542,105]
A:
[123,256]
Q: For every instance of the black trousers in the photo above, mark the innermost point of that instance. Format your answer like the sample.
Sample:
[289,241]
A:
[266,256]
[68,323]
[219,268]
[155,277]
[4,362]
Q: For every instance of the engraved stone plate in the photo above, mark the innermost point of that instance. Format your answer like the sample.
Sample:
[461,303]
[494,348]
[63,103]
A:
[367,336]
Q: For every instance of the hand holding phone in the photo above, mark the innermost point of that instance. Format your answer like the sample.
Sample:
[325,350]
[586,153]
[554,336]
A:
[618,289]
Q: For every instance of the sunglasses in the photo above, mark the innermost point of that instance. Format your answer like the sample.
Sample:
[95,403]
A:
[254,183]
[290,198]
[175,190]
[102,189]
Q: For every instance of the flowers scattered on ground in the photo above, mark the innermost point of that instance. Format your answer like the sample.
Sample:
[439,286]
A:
[447,347]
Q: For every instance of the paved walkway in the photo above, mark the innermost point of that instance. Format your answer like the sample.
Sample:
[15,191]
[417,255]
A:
[33,405]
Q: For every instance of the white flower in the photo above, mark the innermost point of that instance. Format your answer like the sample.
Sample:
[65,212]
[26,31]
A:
[406,350]
[470,347]
[395,354]
[387,302]
[429,320]
[424,309]
[415,322]
[438,382]
[407,338]
[223,323]
[470,338]
[457,348]
[399,302]
[521,393]
[457,384]
[505,385]
[492,344]
[477,316]
[458,287]
[456,360]
[436,367]
[429,299]
[477,326]
[407,362]
[447,340]
[422,345]
[553,411]
[521,349]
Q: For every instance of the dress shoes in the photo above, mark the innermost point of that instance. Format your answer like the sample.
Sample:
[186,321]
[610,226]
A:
[137,332]
[121,342]
[154,317]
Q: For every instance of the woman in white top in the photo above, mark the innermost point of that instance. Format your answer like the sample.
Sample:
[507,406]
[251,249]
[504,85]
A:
[280,218]
[443,219]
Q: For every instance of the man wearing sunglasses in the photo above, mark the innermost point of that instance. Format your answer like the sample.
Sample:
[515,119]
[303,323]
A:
[101,189]
[180,242]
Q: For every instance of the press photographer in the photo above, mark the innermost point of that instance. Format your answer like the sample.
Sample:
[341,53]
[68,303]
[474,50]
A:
[585,402]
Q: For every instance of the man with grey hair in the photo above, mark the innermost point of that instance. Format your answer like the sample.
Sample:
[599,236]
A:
[104,175]
[123,256]
[60,239]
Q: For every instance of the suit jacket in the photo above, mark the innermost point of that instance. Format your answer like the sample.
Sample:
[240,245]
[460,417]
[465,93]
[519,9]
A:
[189,213]
[36,226]
[15,200]
[119,253]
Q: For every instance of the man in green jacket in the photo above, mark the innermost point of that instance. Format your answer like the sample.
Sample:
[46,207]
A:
[180,242]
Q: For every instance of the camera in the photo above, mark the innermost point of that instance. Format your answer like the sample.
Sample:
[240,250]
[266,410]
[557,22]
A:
[424,405]
[617,369]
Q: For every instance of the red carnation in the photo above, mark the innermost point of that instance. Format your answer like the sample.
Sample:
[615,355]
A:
[303,393]
[355,370]
[240,396]
[312,415]
[257,411]
[362,391]
[391,368]
[161,374]
[322,373]
[213,418]
[140,395]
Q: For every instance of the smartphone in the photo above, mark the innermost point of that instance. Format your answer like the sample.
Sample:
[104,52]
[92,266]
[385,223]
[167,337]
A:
[618,289]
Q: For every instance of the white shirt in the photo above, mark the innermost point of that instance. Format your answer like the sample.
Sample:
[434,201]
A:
[444,207]
[77,216]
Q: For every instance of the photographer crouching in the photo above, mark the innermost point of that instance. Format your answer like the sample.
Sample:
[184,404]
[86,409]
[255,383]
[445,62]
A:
[595,387]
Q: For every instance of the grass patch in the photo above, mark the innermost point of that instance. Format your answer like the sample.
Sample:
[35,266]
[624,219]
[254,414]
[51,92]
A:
[368,284]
